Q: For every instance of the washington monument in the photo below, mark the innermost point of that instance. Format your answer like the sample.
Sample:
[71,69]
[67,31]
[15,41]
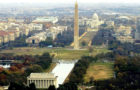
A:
[76,27]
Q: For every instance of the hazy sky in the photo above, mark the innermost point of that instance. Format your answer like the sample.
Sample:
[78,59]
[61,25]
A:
[72,1]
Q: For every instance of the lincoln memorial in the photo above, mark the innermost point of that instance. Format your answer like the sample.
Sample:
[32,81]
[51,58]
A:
[42,80]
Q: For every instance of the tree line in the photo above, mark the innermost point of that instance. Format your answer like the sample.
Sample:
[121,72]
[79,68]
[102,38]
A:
[18,72]
[80,69]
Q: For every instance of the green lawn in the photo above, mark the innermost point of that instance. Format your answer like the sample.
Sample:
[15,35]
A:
[58,53]
[98,50]
[99,71]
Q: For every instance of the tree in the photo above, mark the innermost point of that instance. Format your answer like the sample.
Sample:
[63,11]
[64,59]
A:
[45,60]
[68,86]
[34,68]
[51,87]
[91,80]
[13,68]
[16,86]
[127,72]
[90,50]
[48,41]
[32,86]
[84,43]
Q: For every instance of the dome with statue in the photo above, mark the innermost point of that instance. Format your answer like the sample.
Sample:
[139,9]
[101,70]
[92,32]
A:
[95,16]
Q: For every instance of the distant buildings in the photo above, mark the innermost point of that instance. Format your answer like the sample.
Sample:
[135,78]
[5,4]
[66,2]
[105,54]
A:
[35,26]
[91,23]
[55,30]
[125,30]
[4,36]
[110,23]
[37,38]
[12,29]
[42,36]
[46,20]
[94,23]
[124,33]
[42,80]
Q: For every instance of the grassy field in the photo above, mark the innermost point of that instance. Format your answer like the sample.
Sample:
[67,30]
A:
[99,49]
[58,53]
[99,71]
[87,38]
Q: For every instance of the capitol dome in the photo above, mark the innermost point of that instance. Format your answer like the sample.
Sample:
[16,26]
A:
[95,16]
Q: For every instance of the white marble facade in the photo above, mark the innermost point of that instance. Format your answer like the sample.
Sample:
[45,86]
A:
[42,80]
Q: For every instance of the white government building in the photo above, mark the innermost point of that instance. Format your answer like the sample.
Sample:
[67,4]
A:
[42,80]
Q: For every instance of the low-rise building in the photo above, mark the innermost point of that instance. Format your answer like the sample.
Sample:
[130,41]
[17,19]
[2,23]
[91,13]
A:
[37,38]
[11,36]
[110,23]
[1,40]
[42,80]
[35,26]
[46,19]
[5,36]
[56,30]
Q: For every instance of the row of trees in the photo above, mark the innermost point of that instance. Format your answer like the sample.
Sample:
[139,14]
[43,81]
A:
[103,35]
[47,42]
[19,72]
[17,86]
[79,70]
[66,86]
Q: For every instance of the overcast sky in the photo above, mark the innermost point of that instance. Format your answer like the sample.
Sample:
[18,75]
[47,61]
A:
[71,1]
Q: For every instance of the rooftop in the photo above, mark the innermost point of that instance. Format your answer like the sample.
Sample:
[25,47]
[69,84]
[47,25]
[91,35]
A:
[41,75]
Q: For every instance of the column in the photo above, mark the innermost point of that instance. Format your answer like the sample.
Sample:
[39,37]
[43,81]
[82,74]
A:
[53,82]
[50,82]
[41,83]
[47,83]
[37,83]
[44,83]
[27,82]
